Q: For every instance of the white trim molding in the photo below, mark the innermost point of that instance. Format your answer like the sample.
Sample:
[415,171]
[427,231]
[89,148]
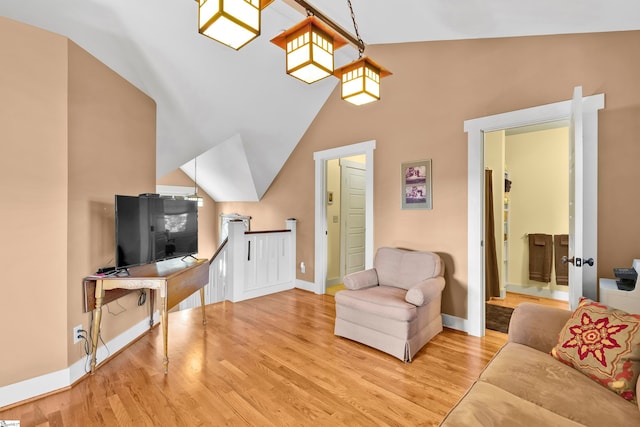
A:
[538,292]
[54,381]
[307,286]
[475,130]
[320,158]
[454,322]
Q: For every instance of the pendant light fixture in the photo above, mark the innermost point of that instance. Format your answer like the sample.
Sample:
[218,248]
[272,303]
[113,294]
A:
[231,22]
[194,197]
[360,80]
[309,46]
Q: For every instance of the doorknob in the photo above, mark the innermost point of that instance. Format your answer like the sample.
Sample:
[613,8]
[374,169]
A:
[577,261]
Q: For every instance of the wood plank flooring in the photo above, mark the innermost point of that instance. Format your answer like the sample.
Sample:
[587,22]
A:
[513,299]
[269,361]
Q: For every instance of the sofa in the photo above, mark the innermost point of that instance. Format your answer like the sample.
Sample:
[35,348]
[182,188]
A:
[395,306]
[524,385]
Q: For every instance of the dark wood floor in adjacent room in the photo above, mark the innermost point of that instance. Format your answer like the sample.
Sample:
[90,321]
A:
[268,361]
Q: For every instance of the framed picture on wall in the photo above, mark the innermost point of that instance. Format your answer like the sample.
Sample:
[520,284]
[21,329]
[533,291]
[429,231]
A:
[416,185]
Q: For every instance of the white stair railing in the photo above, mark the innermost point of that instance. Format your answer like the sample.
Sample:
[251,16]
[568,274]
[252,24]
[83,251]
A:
[250,264]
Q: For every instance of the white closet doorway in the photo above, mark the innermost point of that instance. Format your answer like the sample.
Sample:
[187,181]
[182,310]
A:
[588,165]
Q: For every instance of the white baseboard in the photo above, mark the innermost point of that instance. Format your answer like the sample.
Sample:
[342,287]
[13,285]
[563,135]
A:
[538,292]
[33,387]
[47,383]
[333,282]
[454,322]
[307,286]
[260,292]
[124,339]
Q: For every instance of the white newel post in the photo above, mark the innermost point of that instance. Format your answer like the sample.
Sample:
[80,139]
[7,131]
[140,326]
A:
[236,260]
[291,225]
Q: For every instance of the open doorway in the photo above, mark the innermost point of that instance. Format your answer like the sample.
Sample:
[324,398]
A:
[587,171]
[363,210]
[526,218]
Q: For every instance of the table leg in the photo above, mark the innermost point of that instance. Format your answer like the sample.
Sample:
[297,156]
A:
[97,317]
[152,300]
[204,317]
[165,334]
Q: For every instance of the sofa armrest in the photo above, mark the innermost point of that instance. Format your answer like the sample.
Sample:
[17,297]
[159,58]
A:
[537,326]
[361,279]
[425,291]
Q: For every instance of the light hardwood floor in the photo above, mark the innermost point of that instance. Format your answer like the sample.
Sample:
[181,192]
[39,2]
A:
[512,300]
[268,361]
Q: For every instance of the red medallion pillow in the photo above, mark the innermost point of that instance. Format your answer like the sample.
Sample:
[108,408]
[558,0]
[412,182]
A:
[604,344]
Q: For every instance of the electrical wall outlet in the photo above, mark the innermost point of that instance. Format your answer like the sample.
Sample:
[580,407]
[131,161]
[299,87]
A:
[76,334]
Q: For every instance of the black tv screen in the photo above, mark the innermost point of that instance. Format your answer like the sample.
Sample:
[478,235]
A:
[150,229]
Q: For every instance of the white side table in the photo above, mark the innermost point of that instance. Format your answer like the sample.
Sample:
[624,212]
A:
[611,296]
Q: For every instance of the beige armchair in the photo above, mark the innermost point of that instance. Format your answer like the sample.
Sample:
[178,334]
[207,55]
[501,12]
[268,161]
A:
[395,306]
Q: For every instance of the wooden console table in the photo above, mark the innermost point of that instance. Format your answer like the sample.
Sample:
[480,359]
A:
[175,279]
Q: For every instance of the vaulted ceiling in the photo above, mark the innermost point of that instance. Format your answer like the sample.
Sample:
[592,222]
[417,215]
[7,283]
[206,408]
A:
[237,111]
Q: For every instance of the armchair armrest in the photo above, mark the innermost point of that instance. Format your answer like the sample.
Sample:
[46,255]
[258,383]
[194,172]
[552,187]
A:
[537,326]
[361,279]
[425,291]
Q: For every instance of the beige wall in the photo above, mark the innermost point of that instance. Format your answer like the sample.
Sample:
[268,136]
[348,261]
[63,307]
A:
[33,184]
[74,134]
[538,166]
[111,151]
[435,87]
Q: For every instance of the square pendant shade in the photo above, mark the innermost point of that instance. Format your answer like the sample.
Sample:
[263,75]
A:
[231,22]
[360,81]
[195,198]
[309,46]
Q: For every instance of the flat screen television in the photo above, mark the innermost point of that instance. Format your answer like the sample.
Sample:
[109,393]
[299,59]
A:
[151,229]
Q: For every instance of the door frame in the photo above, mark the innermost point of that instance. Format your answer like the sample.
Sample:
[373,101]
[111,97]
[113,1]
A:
[320,158]
[475,129]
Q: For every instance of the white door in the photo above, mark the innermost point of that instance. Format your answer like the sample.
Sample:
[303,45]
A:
[576,213]
[353,208]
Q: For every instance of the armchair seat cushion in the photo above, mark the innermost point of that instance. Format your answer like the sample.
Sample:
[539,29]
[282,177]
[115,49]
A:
[383,301]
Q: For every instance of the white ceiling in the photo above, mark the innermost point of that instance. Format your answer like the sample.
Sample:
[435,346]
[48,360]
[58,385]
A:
[237,111]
